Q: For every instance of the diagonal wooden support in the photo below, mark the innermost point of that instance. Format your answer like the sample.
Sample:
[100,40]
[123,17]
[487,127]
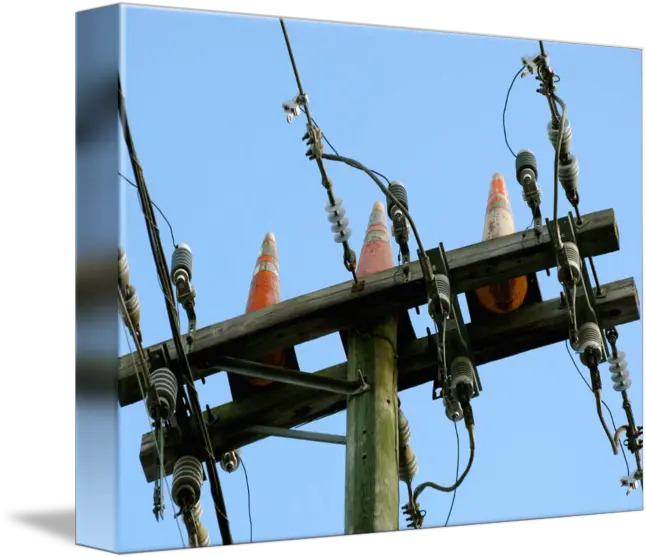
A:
[503,336]
[337,308]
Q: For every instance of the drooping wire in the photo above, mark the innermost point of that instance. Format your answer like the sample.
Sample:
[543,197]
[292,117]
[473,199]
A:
[612,418]
[457,473]
[504,110]
[325,138]
[246,477]
[172,235]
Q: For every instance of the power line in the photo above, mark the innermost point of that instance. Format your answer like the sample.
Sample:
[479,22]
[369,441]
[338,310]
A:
[612,418]
[246,477]
[172,235]
[184,366]
[504,111]
[457,473]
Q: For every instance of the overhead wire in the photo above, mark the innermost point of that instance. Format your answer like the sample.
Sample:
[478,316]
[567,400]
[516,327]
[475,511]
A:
[504,110]
[163,274]
[329,143]
[246,477]
[349,255]
[170,227]
[612,418]
[457,472]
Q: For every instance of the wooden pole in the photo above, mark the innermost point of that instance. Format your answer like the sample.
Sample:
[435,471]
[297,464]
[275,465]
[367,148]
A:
[372,484]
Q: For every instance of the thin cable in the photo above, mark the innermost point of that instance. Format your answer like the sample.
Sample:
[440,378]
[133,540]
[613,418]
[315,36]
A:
[348,253]
[184,365]
[172,235]
[246,477]
[337,153]
[612,418]
[557,152]
[472,451]
[457,471]
[504,110]
[152,430]
[388,194]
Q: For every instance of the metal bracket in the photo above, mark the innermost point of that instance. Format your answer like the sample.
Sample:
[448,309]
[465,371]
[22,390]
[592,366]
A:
[358,286]
[283,375]
[299,434]
[457,338]
[570,235]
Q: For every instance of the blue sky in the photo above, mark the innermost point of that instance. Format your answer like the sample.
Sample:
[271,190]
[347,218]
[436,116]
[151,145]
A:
[204,94]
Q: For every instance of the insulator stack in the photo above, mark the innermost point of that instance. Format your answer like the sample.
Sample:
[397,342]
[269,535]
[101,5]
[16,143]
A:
[590,344]
[340,224]
[568,172]
[182,260]
[124,269]
[407,464]
[569,272]
[443,297]
[132,305]
[404,430]
[188,477]
[398,191]
[400,226]
[165,383]
[462,378]
[620,374]
[527,176]
[566,141]
[230,461]
[569,178]
[453,409]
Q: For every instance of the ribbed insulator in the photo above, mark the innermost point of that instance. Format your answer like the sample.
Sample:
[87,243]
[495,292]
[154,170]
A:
[462,377]
[132,305]
[407,464]
[590,343]
[569,176]
[398,190]
[620,374]
[526,165]
[573,275]
[124,269]
[188,477]
[182,259]
[340,225]
[165,383]
[404,429]
[444,291]
[566,141]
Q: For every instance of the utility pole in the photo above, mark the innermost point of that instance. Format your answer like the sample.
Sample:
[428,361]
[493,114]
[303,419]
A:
[372,484]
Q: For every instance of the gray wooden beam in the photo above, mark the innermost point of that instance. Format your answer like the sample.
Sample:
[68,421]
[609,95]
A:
[337,308]
[505,335]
